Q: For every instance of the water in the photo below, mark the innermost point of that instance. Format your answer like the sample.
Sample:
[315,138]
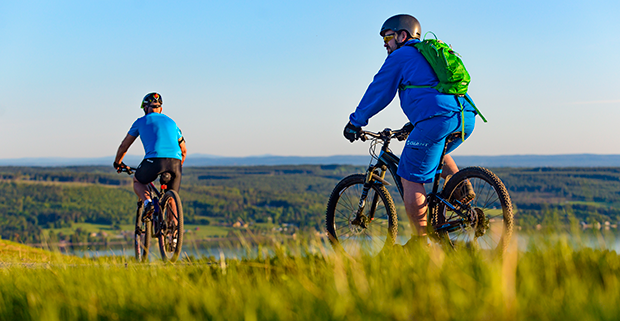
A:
[196,249]
[237,250]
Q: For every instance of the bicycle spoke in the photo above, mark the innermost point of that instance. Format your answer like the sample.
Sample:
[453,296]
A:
[360,234]
[486,221]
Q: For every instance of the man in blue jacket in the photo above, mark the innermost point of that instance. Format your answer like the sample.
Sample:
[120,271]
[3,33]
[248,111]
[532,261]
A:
[164,148]
[434,115]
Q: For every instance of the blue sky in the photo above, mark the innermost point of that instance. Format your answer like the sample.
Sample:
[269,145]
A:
[280,77]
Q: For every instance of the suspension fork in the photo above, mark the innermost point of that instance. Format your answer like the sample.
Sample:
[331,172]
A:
[371,176]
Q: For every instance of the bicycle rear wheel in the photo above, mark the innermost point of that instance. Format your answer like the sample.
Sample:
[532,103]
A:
[142,235]
[369,232]
[171,220]
[485,222]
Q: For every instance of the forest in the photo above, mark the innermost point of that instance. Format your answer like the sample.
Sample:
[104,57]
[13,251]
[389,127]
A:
[36,198]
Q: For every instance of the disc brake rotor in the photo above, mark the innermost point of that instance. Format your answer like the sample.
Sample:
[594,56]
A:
[479,222]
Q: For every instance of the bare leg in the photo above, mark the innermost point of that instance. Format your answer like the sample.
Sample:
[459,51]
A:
[141,190]
[415,205]
[449,166]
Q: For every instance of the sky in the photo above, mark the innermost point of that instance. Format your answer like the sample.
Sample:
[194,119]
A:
[246,78]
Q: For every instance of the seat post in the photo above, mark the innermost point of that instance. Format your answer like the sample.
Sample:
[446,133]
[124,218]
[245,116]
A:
[439,170]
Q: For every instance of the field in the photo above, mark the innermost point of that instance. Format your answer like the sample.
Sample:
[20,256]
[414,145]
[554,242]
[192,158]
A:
[554,279]
[562,267]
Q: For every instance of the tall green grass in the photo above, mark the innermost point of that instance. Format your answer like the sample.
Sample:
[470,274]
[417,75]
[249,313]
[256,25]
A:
[305,280]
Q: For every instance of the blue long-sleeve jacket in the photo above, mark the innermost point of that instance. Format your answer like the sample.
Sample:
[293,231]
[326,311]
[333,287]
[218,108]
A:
[406,66]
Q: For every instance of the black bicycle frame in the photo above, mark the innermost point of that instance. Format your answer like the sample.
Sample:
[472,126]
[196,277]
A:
[157,209]
[387,160]
[390,161]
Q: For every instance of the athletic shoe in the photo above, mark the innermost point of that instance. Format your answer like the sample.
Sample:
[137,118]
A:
[463,193]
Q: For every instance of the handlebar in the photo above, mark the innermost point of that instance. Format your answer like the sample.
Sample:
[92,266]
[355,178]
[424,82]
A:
[128,170]
[388,134]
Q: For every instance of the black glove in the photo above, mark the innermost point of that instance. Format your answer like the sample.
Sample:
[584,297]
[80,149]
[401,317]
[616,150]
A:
[352,132]
[404,132]
[119,167]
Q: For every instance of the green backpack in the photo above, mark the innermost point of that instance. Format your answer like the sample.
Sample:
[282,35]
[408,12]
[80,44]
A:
[448,66]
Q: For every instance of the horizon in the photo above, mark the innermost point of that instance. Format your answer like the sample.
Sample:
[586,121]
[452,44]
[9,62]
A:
[529,161]
[201,155]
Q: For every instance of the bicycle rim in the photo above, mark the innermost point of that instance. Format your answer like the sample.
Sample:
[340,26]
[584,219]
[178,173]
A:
[380,227]
[171,235]
[488,219]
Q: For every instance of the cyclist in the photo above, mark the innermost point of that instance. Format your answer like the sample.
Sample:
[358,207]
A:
[432,115]
[164,148]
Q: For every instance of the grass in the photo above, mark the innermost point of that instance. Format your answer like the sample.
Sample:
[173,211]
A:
[12,253]
[88,227]
[205,231]
[554,279]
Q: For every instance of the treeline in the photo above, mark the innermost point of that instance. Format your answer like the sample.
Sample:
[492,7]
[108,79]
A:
[34,198]
[72,174]
[562,195]
[26,207]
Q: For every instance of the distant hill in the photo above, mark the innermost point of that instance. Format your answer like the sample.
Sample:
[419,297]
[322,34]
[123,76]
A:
[569,160]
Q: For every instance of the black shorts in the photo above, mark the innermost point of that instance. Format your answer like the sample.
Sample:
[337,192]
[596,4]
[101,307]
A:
[150,168]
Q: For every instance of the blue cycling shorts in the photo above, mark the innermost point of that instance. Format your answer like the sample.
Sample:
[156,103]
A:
[422,151]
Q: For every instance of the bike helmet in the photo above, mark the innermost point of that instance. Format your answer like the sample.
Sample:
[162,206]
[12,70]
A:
[150,99]
[402,22]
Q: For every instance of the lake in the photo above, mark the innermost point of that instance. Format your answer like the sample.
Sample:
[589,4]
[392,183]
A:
[236,249]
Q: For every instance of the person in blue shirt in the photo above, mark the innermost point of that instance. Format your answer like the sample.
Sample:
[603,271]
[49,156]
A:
[433,115]
[164,148]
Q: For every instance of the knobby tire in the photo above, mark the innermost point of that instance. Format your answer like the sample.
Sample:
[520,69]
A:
[342,207]
[490,221]
[171,204]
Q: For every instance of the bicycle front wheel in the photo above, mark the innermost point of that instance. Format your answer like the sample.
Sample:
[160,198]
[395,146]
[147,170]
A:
[365,230]
[482,220]
[142,235]
[171,232]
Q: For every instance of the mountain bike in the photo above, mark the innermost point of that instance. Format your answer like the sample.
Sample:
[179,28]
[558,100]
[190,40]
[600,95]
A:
[165,223]
[361,216]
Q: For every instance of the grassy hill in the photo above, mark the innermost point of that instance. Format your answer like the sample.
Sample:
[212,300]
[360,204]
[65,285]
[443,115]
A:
[16,253]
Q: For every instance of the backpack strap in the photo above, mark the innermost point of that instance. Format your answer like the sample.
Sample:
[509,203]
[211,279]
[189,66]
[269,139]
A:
[403,87]
[463,113]
[475,108]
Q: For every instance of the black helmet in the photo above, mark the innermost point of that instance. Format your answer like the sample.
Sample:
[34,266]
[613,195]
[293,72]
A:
[403,22]
[150,99]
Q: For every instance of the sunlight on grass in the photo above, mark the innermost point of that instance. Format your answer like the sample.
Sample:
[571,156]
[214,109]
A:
[554,278]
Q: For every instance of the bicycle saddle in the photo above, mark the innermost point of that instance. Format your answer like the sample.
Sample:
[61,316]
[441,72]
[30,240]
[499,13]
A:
[454,136]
